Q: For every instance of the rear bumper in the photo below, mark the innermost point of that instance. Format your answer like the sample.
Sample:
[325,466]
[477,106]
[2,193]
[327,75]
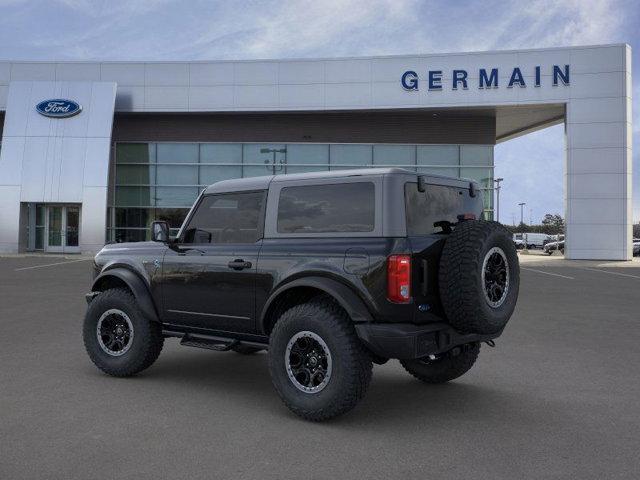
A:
[406,341]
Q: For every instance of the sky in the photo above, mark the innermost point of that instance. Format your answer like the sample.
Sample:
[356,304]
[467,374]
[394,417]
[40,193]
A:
[532,165]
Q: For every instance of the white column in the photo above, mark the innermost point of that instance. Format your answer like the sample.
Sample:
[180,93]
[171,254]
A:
[598,172]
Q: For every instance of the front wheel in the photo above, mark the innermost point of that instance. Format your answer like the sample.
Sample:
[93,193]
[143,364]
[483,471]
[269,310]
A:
[318,365]
[119,339]
[444,367]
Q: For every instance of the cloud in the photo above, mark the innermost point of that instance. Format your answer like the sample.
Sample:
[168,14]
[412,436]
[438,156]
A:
[246,29]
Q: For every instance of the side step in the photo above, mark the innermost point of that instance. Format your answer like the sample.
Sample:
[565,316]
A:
[218,344]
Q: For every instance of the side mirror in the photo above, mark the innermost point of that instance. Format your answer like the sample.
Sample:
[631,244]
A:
[160,232]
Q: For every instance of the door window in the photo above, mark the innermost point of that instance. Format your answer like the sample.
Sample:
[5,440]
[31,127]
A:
[227,218]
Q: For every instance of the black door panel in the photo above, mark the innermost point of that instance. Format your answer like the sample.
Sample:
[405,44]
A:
[202,290]
[209,275]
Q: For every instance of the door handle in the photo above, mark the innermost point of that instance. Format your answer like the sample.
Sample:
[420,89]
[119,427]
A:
[239,264]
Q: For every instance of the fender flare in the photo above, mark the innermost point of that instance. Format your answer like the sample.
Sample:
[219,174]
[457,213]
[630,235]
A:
[137,286]
[345,296]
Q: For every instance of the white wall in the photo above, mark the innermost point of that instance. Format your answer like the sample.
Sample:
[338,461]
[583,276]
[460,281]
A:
[56,160]
[598,103]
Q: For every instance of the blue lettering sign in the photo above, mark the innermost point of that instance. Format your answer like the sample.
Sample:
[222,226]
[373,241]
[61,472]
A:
[559,74]
[459,76]
[516,78]
[491,81]
[435,79]
[409,80]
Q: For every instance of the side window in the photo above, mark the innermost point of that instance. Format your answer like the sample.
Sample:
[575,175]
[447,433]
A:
[342,207]
[226,218]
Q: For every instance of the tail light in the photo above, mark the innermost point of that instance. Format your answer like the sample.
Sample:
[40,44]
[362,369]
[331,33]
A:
[399,278]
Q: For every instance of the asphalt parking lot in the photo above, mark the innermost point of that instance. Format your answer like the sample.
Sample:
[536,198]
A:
[559,396]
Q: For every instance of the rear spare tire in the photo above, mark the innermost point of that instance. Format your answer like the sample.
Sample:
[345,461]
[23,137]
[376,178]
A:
[479,277]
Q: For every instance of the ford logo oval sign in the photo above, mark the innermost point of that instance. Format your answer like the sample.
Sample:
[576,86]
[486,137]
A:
[58,108]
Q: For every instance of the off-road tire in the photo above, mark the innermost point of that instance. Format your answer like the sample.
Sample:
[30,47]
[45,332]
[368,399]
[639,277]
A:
[246,349]
[147,335]
[447,367]
[462,291]
[351,363]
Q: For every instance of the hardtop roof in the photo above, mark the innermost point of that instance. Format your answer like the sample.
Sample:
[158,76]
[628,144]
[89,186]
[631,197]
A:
[262,183]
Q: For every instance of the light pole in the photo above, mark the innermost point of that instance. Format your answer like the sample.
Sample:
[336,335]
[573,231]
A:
[522,204]
[498,180]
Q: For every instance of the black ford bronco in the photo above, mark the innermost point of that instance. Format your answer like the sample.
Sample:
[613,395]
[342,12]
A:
[330,272]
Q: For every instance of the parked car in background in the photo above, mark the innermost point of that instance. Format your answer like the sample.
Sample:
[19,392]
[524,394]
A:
[636,247]
[532,240]
[551,247]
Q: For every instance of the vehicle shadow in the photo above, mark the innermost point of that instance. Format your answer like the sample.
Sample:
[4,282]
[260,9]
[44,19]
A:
[394,397]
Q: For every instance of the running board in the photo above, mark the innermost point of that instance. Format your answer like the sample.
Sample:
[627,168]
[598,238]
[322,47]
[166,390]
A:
[218,344]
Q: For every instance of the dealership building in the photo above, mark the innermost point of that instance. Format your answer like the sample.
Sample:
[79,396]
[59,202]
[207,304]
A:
[93,152]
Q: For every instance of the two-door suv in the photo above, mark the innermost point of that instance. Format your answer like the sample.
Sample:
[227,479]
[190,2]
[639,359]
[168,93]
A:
[330,272]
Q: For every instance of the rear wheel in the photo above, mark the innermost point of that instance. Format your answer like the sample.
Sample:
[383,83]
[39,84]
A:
[444,367]
[318,365]
[119,339]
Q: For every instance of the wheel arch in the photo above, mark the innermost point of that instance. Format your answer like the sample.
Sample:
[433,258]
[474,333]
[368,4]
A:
[303,289]
[121,277]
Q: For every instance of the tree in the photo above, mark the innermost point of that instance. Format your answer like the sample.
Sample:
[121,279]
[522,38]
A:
[553,223]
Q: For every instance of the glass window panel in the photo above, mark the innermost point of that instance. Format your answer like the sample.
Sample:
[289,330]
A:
[300,155]
[438,155]
[176,196]
[173,216]
[436,204]
[177,175]
[484,176]
[350,156]
[134,196]
[133,217]
[135,153]
[39,238]
[262,162]
[178,153]
[131,235]
[394,155]
[221,153]
[476,155]
[40,216]
[214,173]
[227,218]
[345,207]
[135,175]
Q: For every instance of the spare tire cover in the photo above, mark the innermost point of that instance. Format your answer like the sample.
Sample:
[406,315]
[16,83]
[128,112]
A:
[479,277]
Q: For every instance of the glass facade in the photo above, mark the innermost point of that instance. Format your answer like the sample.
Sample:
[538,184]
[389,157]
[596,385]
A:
[160,181]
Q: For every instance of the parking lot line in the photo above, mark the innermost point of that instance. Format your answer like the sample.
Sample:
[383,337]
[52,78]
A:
[547,273]
[611,273]
[52,264]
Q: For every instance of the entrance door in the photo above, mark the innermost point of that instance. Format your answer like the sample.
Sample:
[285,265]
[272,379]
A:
[62,229]
[54,229]
[72,229]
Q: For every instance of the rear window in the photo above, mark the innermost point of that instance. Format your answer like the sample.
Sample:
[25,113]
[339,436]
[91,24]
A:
[438,203]
[344,207]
